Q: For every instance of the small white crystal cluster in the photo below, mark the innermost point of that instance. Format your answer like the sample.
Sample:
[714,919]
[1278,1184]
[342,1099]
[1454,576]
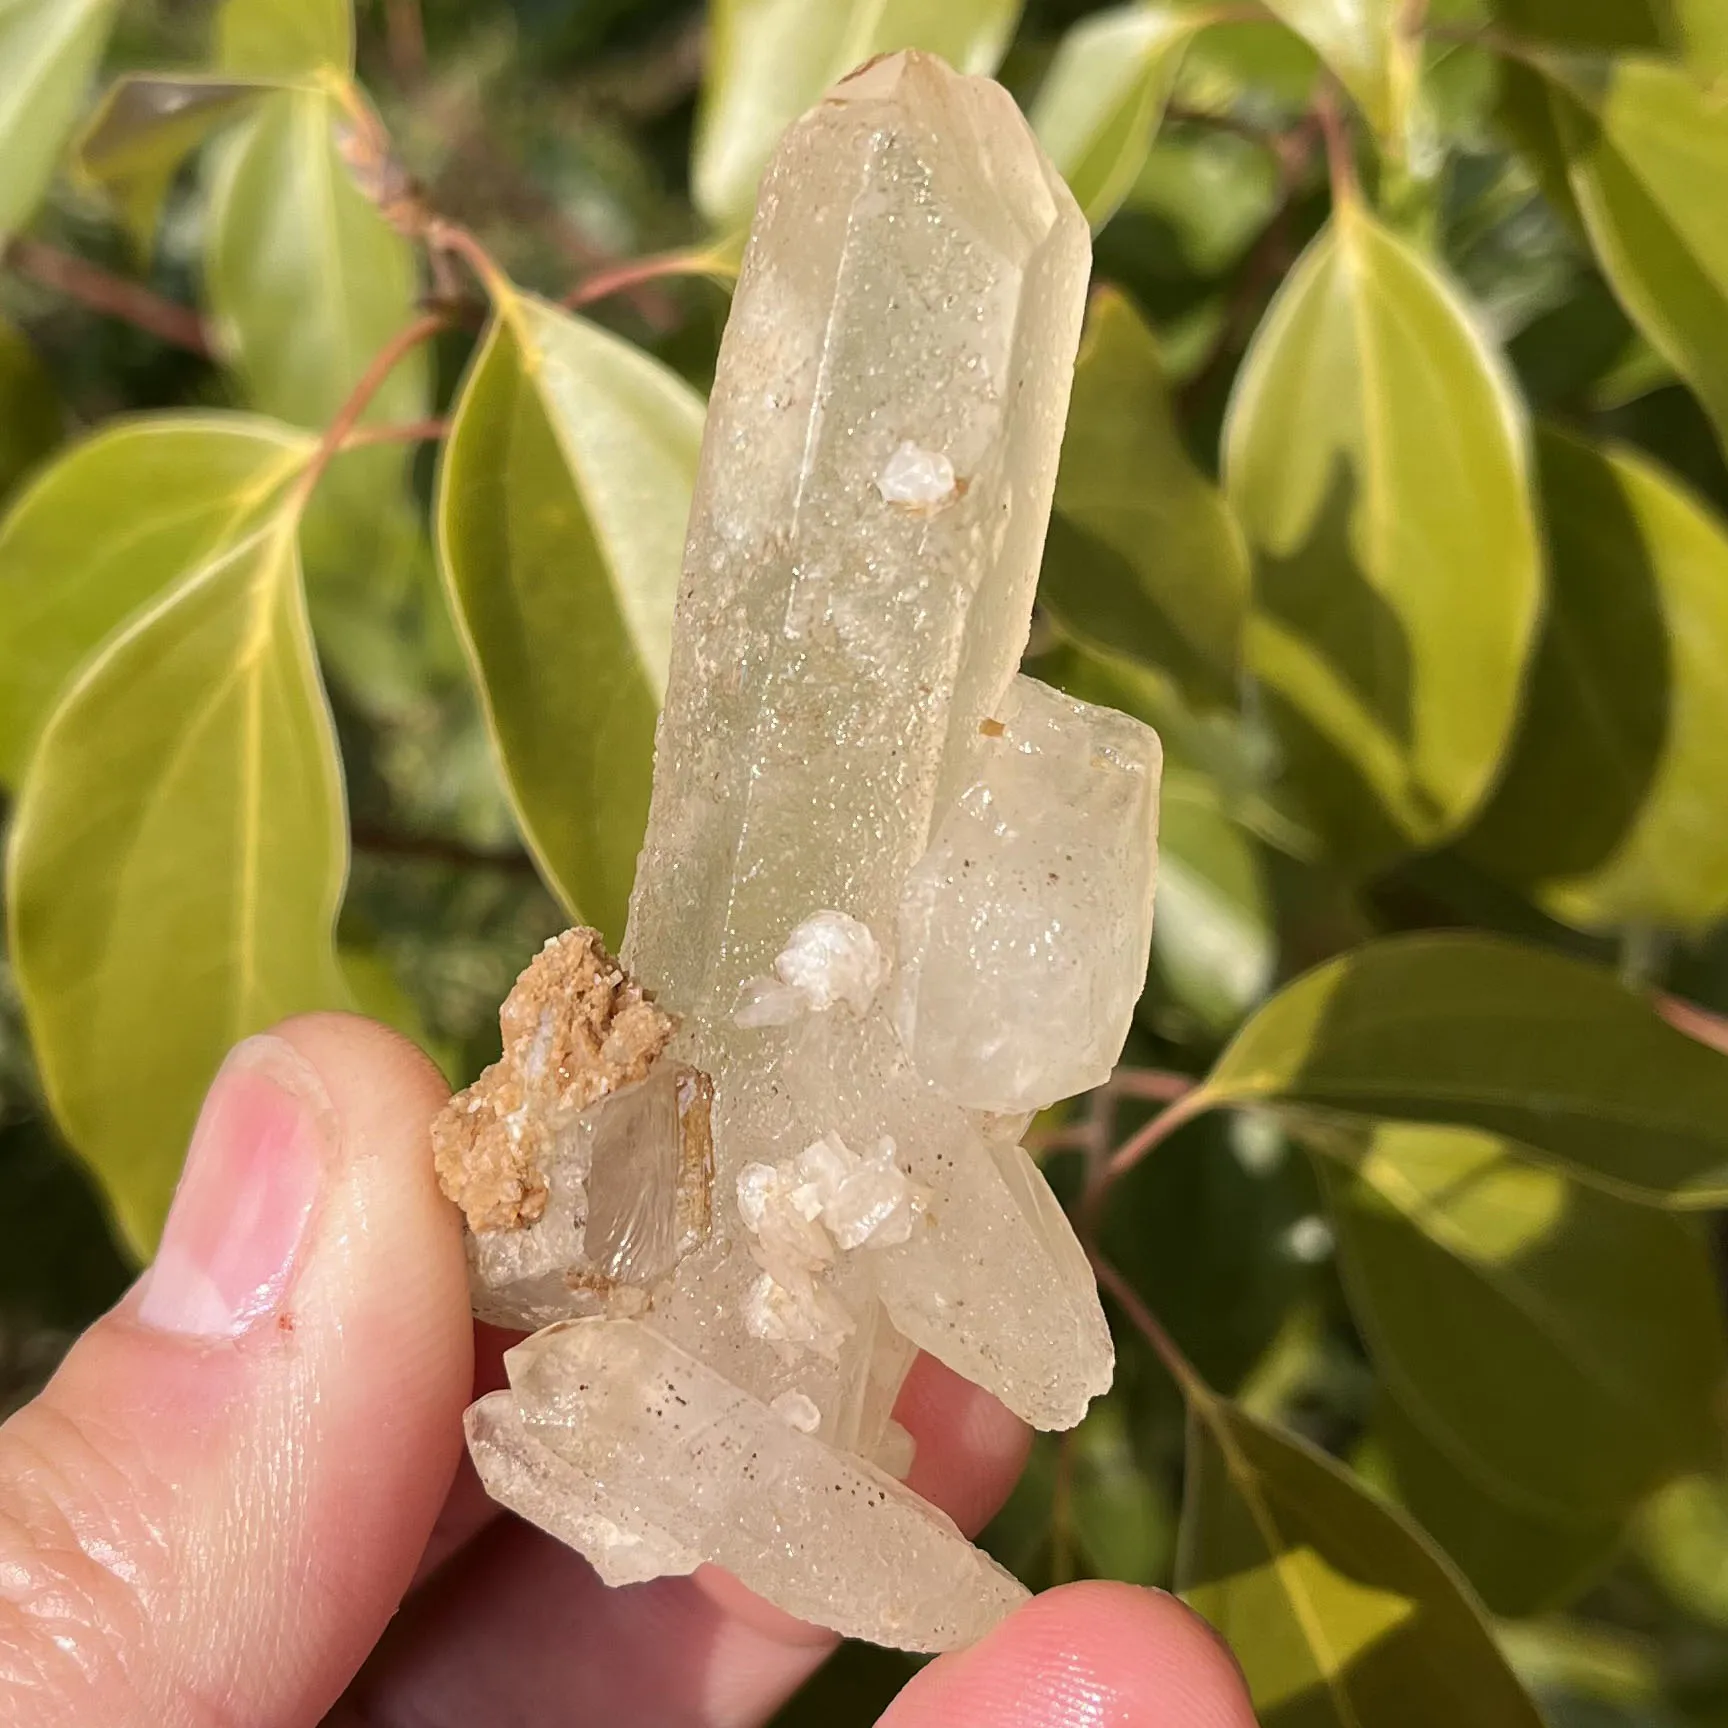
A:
[829,958]
[897,898]
[802,1213]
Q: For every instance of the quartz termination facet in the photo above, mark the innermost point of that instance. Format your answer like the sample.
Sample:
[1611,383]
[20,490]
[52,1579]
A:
[893,899]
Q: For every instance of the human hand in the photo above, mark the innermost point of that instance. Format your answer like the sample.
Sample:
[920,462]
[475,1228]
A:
[211,1515]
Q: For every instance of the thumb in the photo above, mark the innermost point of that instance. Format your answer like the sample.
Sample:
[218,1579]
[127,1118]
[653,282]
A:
[212,1510]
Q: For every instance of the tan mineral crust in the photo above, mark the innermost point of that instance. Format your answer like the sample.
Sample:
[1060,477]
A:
[894,898]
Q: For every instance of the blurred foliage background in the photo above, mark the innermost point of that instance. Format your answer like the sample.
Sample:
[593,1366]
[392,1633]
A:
[1394,495]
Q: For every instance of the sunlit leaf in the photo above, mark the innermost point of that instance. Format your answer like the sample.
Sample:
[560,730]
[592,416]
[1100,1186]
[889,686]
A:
[1376,458]
[770,60]
[285,38]
[1648,147]
[1611,806]
[1340,1614]
[1558,1344]
[1101,102]
[1143,558]
[1213,943]
[1468,1031]
[107,529]
[1356,40]
[1518,1560]
[1682,1537]
[176,861]
[306,280]
[30,416]
[562,500]
[144,129]
[49,50]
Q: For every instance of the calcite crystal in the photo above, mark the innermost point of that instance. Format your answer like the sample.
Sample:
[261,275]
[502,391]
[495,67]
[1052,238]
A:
[893,899]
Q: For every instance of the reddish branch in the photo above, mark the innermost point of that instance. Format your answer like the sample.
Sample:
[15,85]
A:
[113,296]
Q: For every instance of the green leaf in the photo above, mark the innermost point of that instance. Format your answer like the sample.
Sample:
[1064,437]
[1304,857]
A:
[1356,40]
[109,528]
[1376,458]
[1597,26]
[1609,810]
[562,498]
[49,51]
[306,280]
[1648,148]
[1123,1525]
[770,60]
[1102,100]
[1143,558]
[285,38]
[30,417]
[1561,1347]
[144,128]
[1212,943]
[1340,1614]
[1550,1053]
[176,861]
[1682,1537]
[1518,1560]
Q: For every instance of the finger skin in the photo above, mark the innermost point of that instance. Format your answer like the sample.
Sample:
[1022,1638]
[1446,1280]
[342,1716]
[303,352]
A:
[199,1531]
[519,1629]
[1085,1656]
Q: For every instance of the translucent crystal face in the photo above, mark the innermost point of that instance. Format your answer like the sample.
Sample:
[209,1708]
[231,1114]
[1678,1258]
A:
[894,899]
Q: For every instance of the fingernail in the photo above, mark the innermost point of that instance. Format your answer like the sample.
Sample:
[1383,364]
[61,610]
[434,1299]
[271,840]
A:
[253,1171]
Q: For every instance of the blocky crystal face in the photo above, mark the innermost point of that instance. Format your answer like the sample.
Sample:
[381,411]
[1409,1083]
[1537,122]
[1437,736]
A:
[1025,929]
[842,741]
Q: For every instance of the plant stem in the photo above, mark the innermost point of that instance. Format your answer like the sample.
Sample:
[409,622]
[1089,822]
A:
[1167,1350]
[384,362]
[1107,1169]
[618,278]
[1195,1102]
[1157,1085]
[113,296]
[408,432]
[1340,155]
[405,42]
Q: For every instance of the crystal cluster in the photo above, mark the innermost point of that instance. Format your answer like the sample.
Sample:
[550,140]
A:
[893,899]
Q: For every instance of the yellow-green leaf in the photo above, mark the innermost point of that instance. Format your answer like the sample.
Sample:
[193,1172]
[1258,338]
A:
[1101,102]
[30,417]
[306,280]
[1339,1612]
[1519,1560]
[1610,809]
[1560,1345]
[1376,458]
[1356,39]
[285,38]
[1551,1053]
[769,60]
[144,128]
[176,862]
[107,529]
[1143,558]
[562,500]
[1682,1536]
[1648,147]
[49,50]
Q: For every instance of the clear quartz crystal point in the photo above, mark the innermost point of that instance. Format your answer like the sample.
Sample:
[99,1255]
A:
[891,900]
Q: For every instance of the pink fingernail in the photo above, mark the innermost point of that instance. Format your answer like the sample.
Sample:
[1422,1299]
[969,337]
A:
[257,1159]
